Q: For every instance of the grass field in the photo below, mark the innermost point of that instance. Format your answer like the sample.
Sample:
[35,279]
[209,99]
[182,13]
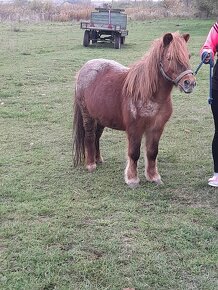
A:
[62,228]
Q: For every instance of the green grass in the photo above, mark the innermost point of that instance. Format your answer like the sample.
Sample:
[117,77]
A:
[63,228]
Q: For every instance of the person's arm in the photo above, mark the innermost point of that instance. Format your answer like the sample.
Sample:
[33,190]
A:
[211,43]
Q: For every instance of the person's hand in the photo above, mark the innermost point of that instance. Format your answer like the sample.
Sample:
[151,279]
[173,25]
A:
[205,57]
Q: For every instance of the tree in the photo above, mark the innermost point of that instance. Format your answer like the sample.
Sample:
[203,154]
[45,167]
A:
[207,8]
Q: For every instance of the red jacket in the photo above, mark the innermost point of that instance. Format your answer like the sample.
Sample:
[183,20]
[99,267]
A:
[211,43]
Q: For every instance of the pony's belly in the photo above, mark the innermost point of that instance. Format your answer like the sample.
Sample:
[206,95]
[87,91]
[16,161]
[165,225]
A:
[119,127]
[107,111]
[115,124]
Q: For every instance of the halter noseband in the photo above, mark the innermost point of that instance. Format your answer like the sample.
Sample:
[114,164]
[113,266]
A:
[177,79]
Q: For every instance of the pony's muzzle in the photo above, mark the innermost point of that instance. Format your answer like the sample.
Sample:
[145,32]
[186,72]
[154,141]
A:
[187,85]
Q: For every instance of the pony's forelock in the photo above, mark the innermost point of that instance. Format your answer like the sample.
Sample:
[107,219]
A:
[177,51]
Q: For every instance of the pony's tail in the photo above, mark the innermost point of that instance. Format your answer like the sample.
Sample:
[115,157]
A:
[78,136]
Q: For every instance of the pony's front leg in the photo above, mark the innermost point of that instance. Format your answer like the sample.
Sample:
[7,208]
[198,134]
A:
[131,174]
[151,152]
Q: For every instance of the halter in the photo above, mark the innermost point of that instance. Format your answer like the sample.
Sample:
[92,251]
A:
[178,78]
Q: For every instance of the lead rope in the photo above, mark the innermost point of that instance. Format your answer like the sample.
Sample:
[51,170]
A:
[210,99]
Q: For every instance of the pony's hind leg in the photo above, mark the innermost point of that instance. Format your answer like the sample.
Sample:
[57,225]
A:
[89,142]
[131,174]
[151,152]
[98,133]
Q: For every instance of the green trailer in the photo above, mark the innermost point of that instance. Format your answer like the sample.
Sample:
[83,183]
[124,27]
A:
[105,24]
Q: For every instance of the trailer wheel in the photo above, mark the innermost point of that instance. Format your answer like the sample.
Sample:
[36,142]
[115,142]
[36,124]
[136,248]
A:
[94,36]
[117,41]
[86,38]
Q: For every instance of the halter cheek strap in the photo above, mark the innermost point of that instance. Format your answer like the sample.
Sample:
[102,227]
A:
[178,78]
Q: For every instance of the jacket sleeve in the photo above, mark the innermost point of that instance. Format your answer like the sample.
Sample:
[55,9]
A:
[211,43]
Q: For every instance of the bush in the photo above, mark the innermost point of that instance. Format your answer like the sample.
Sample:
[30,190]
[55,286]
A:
[45,10]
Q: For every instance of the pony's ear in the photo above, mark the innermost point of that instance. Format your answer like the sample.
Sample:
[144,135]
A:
[168,37]
[186,37]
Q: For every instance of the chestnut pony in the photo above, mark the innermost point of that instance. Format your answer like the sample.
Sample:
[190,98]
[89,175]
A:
[136,100]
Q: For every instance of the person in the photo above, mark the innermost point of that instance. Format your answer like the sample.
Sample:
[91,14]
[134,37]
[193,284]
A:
[209,50]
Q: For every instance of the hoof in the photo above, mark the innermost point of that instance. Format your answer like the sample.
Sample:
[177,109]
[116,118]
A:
[91,167]
[100,160]
[157,180]
[133,182]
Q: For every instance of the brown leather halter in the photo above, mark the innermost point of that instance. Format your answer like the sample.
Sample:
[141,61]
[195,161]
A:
[178,78]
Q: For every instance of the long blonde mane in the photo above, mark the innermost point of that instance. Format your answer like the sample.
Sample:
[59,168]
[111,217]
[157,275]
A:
[142,79]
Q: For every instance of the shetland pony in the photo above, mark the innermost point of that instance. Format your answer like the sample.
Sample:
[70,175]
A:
[136,100]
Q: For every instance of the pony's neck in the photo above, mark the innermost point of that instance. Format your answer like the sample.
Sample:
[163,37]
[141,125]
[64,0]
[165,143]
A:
[143,79]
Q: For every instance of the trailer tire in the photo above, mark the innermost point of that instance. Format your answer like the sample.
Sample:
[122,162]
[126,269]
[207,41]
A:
[86,38]
[94,36]
[117,41]
[122,39]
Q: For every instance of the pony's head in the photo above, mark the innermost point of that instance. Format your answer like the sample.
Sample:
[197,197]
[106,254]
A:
[174,62]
